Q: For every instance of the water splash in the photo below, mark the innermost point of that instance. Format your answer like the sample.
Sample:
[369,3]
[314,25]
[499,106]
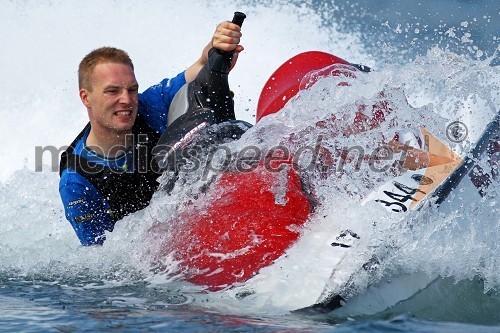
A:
[40,98]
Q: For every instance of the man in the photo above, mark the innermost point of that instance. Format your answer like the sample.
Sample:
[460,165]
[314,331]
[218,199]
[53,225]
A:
[107,172]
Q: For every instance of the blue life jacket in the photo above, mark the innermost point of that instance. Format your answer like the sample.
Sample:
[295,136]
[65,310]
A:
[125,191]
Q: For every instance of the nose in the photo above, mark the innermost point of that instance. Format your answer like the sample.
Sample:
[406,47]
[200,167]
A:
[125,97]
[128,96]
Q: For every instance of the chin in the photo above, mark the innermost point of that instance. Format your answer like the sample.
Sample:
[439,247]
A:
[123,129]
[124,126]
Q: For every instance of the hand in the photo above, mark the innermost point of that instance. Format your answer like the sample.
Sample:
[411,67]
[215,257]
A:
[227,37]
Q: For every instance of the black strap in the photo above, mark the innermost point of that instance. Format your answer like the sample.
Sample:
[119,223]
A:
[125,192]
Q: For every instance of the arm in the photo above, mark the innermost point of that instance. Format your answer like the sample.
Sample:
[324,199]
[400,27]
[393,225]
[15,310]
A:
[85,209]
[226,38]
[155,101]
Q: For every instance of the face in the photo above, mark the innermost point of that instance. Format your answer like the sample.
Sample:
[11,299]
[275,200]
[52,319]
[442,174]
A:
[112,104]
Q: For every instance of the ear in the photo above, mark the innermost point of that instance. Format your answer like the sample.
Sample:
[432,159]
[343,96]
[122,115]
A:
[85,97]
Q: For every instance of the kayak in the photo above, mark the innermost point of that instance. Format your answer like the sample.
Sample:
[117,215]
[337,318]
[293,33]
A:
[242,225]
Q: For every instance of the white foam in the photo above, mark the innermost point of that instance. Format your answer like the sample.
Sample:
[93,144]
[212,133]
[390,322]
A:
[39,106]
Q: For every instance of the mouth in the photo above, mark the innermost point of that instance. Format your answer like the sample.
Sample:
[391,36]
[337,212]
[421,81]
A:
[123,113]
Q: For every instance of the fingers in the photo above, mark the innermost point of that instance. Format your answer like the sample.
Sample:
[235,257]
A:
[233,60]
[227,37]
[237,51]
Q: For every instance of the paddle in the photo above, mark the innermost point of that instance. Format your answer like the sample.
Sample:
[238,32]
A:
[492,130]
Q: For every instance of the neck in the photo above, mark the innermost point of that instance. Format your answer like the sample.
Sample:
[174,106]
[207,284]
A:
[108,144]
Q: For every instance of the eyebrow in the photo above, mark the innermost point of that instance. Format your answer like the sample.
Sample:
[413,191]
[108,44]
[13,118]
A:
[111,86]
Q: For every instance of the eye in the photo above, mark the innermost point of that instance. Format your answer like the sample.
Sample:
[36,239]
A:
[111,91]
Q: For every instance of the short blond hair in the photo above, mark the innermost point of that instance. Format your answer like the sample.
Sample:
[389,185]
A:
[100,56]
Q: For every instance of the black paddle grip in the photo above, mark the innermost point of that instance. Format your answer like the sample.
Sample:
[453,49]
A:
[238,18]
[221,60]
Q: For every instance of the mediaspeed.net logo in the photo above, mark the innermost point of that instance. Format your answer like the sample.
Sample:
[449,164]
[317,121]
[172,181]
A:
[304,158]
[218,159]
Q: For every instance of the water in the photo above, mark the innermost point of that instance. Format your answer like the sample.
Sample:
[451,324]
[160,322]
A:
[438,55]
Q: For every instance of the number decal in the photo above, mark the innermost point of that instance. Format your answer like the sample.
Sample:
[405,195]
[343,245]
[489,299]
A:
[407,189]
[399,204]
[398,197]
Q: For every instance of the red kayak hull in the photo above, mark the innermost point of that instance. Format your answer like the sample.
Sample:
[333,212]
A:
[240,228]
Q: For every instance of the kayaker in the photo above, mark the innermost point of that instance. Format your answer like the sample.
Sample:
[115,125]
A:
[108,171]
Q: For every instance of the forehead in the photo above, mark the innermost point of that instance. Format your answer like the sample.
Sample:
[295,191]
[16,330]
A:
[110,73]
